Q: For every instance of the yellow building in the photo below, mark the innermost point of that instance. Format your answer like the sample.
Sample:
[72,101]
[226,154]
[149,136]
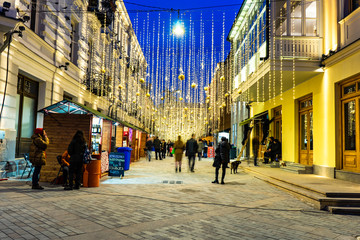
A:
[303,73]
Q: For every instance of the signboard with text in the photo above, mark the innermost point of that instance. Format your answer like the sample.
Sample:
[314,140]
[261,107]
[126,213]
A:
[116,164]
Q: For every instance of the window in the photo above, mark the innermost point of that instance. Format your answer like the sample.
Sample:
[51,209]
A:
[26,104]
[74,44]
[350,6]
[297,17]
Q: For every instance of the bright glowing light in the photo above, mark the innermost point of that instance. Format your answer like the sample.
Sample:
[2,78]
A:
[178,29]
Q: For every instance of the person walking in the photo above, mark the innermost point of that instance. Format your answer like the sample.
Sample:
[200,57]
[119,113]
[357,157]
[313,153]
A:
[223,150]
[157,146]
[255,148]
[149,145]
[205,149]
[163,148]
[37,155]
[76,150]
[168,146]
[191,150]
[200,148]
[179,150]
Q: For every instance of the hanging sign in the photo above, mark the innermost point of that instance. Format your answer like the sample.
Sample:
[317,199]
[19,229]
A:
[116,164]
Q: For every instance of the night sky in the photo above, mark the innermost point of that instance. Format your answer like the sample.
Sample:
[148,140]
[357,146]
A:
[199,53]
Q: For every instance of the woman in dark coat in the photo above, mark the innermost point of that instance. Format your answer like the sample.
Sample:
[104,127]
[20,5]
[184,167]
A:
[76,151]
[37,155]
[222,161]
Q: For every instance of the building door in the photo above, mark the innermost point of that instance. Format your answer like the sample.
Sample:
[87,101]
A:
[278,123]
[306,131]
[350,119]
[259,133]
[26,104]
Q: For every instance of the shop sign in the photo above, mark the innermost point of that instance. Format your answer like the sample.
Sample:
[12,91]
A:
[116,164]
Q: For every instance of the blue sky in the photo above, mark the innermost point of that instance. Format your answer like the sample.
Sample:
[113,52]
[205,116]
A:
[198,48]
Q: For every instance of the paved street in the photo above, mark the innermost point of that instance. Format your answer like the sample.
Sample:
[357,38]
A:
[154,202]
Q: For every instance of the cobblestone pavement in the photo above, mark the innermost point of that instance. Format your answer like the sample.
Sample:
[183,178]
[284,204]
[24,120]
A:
[154,202]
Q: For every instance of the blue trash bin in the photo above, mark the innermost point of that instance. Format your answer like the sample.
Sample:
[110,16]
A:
[127,153]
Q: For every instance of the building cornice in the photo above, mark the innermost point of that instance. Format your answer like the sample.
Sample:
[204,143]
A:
[342,54]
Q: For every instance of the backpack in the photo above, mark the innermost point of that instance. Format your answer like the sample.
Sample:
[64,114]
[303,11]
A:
[87,155]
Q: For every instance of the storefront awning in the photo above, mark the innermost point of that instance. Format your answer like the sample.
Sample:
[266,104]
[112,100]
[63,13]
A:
[256,117]
[70,107]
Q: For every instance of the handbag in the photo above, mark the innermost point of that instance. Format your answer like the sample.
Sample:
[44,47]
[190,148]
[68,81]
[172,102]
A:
[173,151]
[217,161]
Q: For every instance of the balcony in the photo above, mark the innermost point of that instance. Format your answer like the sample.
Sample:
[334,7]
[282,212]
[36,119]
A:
[349,28]
[298,47]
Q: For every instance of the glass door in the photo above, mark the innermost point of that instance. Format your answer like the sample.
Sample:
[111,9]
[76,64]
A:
[350,129]
[349,134]
[306,131]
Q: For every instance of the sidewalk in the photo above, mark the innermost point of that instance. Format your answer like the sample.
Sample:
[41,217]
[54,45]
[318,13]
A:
[308,181]
[334,195]
[187,206]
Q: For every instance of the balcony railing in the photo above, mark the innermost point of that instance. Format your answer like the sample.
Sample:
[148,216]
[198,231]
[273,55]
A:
[298,47]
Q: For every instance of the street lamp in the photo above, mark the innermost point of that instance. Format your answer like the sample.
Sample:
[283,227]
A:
[179,29]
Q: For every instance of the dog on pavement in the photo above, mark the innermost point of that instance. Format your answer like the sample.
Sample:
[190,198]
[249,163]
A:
[234,166]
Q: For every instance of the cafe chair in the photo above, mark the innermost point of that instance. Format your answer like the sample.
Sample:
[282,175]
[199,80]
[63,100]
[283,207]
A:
[60,170]
[28,165]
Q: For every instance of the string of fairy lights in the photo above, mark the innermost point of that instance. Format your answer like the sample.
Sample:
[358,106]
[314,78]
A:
[180,84]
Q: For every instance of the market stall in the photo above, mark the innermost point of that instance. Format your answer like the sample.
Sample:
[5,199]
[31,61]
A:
[62,120]
[102,133]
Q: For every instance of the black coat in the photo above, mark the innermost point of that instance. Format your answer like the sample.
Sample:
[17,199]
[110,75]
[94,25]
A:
[149,145]
[225,152]
[157,144]
[76,151]
[191,147]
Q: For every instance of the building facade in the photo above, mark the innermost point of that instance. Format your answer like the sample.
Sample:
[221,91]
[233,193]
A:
[84,51]
[295,67]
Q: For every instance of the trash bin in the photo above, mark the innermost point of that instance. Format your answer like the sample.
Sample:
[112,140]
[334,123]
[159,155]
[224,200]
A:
[127,153]
[94,173]
[233,153]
